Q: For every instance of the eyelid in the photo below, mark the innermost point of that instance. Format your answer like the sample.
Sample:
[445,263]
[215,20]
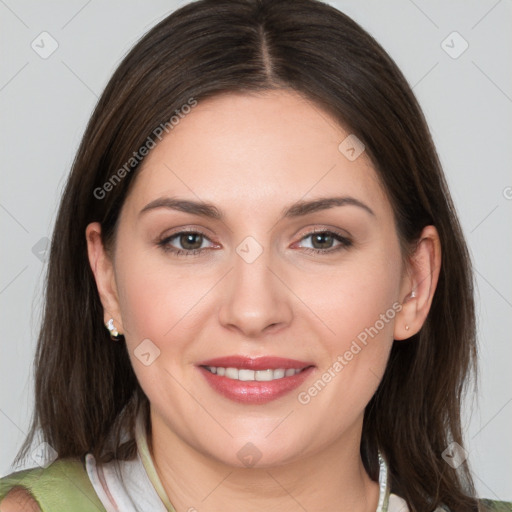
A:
[324,229]
[179,230]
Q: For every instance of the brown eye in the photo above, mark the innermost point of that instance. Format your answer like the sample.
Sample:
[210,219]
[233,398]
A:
[191,241]
[322,240]
[326,242]
[184,243]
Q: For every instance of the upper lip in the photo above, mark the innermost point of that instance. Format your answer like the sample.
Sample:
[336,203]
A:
[255,363]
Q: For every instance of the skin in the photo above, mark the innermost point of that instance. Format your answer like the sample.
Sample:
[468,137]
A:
[19,500]
[252,156]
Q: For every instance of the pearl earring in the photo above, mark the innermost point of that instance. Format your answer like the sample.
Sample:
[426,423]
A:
[406,327]
[114,333]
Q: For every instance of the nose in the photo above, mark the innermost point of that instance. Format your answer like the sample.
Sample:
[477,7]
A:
[255,298]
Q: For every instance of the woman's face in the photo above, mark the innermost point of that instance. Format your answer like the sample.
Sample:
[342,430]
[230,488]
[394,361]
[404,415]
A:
[255,281]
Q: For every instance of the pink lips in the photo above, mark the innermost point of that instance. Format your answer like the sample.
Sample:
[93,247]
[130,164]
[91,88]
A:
[255,392]
[257,363]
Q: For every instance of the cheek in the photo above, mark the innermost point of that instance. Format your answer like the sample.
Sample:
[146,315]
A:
[359,304]
[357,297]
[153,296]
[157,304]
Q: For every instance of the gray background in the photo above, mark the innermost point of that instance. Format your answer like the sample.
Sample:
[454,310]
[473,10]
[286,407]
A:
[46,102]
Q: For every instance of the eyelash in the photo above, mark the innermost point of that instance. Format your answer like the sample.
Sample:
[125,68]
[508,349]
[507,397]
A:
[345,243]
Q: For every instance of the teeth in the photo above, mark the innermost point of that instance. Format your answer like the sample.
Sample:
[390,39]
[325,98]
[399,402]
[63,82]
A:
[231,373]
[245,375]
[253,375]
[279,373]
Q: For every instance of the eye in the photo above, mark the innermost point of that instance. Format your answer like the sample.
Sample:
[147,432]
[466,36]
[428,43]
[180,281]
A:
[191,243]
[322,241]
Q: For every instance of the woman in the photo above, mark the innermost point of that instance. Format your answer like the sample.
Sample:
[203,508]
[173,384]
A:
[259,296]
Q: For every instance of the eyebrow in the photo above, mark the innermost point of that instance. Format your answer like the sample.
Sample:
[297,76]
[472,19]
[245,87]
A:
[297,209]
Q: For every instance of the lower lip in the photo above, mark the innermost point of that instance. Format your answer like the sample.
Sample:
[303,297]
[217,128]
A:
[255,392]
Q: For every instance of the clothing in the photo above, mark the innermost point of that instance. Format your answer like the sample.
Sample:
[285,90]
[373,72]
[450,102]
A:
[63,486]
[134,486]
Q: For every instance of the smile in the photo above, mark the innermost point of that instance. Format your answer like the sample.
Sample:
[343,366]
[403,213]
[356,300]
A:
[254,380]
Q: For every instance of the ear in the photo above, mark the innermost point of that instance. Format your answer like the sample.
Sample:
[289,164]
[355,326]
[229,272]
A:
[103,269]
[419,284]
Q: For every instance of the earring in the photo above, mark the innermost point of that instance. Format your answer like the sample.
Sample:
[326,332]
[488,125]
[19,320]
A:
[406,327]
[114,333]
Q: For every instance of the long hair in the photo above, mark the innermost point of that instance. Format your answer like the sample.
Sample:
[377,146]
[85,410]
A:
[85,389]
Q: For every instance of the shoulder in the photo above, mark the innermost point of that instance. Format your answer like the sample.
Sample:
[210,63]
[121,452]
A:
[485,505]
[62,484]
[397,504]
[19,499]
[495,506]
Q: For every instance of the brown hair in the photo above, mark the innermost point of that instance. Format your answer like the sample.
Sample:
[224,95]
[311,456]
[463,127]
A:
[85,388]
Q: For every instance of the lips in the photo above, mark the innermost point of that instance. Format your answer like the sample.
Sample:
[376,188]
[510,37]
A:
[257,363]
[254,380]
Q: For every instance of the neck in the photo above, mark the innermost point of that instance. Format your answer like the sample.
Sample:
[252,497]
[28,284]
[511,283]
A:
[333,479]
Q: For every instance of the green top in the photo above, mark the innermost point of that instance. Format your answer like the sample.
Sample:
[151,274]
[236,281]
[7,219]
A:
[496,506]
[62,484]
[65,483]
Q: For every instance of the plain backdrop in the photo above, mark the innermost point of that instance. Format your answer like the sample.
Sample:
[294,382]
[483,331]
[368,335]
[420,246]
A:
[463,82]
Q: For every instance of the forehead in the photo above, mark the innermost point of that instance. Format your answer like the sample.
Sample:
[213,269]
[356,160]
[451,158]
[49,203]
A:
[276,147]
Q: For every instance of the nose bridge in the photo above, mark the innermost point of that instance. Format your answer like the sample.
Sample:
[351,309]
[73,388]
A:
[251,265]
[255,298]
